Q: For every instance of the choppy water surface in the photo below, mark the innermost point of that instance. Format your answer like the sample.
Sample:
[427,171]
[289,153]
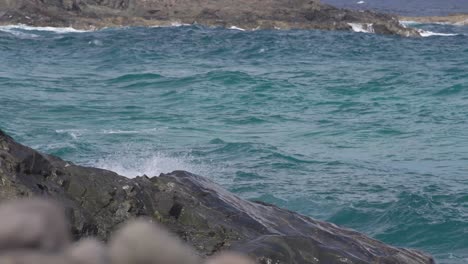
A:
[366,131]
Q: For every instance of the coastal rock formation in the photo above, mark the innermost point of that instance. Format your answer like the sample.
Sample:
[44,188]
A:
[456,19]
[200,212]
[36,222]
[247,14]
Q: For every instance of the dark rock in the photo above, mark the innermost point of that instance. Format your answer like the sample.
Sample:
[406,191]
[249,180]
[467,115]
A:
[248,14]
[200,212]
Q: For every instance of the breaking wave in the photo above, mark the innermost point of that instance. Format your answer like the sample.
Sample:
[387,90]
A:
[10,28]
[152,164]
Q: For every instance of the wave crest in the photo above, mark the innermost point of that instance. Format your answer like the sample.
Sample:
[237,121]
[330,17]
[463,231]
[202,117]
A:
[50,29]
[151,165]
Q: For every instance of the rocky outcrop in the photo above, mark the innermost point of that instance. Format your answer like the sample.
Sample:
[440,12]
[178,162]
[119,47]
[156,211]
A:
[34,231]
[457,19]
[248,14]
[200,212]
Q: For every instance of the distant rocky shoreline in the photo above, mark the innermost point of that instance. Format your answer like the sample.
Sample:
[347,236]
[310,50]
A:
[456,19]
[246,14]
[204,215]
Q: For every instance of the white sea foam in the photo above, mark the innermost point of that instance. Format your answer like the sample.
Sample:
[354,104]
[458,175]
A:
[426,33]
[18,33]
[461,23]
[362,27]
[151,165]
[236,28]
[119,131]
[95,42]
[172,24]
[179,24]
[51,29]
[73,133]
[360,2]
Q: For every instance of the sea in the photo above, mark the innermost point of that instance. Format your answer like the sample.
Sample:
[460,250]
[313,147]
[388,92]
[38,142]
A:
[367,131]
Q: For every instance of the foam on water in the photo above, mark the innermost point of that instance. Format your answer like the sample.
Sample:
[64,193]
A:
[362,27]
[50,29]
[172,24]
[427,33]
[236,28]
[73,133]
[150,164]
[18,34]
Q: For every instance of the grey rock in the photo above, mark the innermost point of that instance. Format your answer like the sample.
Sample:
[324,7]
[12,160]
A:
[33,257]
[198,211]
[88,251]
[229,258]
[143,242]
[34,224]
[248,14]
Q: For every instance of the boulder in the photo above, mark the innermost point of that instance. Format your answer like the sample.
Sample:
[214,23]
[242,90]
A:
[33,224]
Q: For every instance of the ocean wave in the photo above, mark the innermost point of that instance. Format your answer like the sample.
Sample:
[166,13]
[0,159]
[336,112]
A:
[50,29]
[119,131]
[151,164]
[237,28]
[172,24]
[76,133]
[427,33]
[18,33]
[362,27]
[135,77]
[73,133]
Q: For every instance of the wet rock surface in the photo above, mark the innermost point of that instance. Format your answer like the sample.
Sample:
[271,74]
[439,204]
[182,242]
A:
[248,14]
[201,213]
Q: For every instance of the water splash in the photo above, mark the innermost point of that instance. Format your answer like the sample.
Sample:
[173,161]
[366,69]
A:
[152,164]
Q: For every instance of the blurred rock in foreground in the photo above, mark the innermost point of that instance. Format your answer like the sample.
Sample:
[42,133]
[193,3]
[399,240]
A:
[199,212]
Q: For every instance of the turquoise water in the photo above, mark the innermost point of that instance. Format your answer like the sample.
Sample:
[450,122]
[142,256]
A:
[366,131]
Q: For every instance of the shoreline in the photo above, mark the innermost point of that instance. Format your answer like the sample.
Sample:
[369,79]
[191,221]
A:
[455,19]
[245,14]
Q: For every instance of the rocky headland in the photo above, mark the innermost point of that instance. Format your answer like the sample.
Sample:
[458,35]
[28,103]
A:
[201,213]
[455,19]
[246,14]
